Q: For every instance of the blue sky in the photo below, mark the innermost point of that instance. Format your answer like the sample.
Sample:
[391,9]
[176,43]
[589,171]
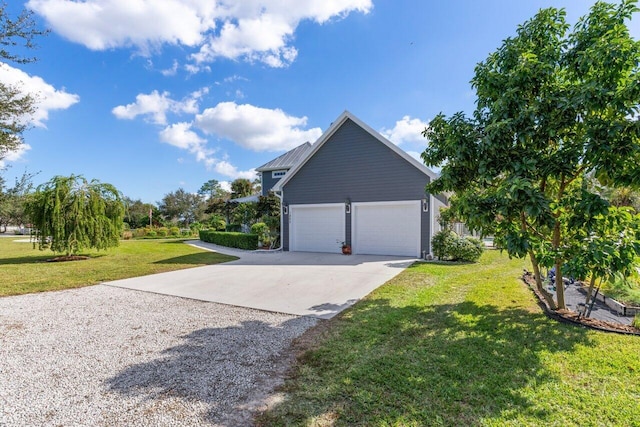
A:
[156,95]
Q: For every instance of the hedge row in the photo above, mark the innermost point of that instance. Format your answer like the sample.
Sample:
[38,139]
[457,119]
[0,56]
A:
[231,240]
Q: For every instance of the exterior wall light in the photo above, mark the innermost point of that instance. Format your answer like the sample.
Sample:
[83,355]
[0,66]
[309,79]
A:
[347,206]
[425,205]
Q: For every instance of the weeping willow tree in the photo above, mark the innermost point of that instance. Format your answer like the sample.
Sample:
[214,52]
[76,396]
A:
[71,214]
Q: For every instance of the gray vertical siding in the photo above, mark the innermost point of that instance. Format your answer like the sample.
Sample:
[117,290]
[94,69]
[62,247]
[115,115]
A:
[353,165]
[268,182]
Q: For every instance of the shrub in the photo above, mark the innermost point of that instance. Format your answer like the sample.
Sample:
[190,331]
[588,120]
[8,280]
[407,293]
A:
[163,231]
[447,245]
[139,232]
[217,223]
[150,233]
[196,226]
[262,230]
[442,242]
[174,231]
[624,289]
[127,235]
[234,228]
[230,239]
[466,250]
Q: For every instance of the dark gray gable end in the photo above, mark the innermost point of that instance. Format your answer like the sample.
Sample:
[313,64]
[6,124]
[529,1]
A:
[353,162]
[333,129]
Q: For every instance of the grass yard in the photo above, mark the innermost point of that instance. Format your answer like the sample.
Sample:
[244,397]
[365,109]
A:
[24,270]
[459,345]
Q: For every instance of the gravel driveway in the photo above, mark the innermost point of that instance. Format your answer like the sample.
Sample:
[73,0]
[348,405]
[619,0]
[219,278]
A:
[109,356]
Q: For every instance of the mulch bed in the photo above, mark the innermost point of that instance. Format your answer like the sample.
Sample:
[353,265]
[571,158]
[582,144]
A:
[568,316]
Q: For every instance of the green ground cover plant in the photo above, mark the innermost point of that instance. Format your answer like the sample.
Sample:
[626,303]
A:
[24,269]
[624,289]
[459,344]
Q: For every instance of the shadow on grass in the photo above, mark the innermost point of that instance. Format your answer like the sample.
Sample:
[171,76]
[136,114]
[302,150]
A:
[457,364]
[36,259]
[229,369]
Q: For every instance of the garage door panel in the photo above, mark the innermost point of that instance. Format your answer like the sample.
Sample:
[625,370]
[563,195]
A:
[317,228]
[387,229]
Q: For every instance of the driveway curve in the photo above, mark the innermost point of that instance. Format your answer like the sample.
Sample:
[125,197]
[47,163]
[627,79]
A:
[300,283]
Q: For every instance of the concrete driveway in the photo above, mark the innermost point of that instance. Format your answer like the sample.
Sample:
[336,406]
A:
[299,283]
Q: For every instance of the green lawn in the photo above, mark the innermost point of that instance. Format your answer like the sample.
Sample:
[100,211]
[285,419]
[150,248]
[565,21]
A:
[457,345]
[25,270]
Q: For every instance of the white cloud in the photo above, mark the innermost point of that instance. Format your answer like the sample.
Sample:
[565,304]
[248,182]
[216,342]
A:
[225,185]
[172,71]
[146,24]
[47,97]
[234,78]
[406,130]
[255,128]
[252,30]
[180,135]
[15,155]
[155,106]
[227,169]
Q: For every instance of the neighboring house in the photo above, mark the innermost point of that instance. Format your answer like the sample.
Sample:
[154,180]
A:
[353,186]
[276,169]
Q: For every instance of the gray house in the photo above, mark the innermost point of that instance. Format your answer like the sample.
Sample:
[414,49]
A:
[353,186]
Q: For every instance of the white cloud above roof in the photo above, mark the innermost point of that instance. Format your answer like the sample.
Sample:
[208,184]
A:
[248,126]
[406,130]
[256,128]
[47,97]
[251,30]
[181,135]
[227,169]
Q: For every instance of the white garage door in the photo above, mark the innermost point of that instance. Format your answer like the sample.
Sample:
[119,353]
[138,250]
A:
[386,228]
[316,228]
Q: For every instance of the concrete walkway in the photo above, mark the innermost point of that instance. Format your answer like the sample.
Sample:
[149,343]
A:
[301,283]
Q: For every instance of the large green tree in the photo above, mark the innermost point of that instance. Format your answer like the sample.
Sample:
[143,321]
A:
[182,207]
[15,104]
[241,187]
[71,214]
[137,213]
[13,201]
[553,105]
[212,189]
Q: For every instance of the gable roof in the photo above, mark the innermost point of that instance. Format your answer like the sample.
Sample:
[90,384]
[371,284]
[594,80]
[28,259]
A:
[288,159]
[346,115]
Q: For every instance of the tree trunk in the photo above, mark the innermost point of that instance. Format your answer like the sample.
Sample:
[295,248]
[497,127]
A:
[558,264]
[536,274]
[559,286]
[592,283]
[536,268]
